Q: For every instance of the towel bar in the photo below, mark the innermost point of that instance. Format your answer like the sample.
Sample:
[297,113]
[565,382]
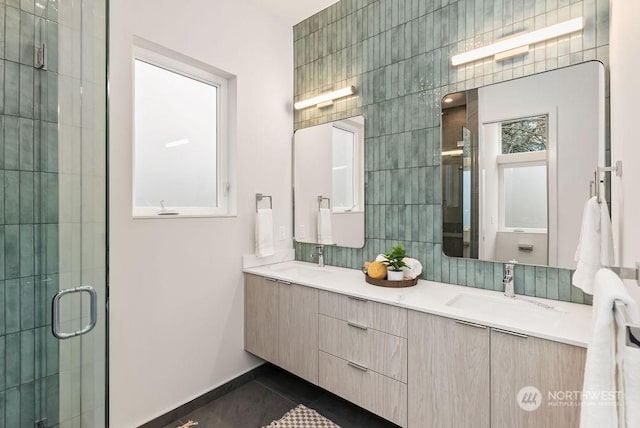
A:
[617,168]
[260,196]
[632,332]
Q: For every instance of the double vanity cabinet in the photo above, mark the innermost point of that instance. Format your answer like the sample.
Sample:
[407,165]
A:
[410,367]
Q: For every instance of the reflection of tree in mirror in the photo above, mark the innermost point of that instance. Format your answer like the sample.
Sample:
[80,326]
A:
[524,135]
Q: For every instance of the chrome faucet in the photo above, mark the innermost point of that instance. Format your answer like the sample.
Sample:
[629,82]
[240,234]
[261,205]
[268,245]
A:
[319,254]
[507,281]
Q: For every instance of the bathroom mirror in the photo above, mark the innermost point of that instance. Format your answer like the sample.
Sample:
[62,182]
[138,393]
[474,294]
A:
[518,162]
[328,183]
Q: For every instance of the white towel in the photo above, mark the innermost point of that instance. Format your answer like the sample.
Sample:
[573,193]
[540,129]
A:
[595,248]
[631,388]
[413,268]
[605,356]
[325,235]
[264,233]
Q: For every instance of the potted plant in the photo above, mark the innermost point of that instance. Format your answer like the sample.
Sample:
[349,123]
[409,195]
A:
[395,263]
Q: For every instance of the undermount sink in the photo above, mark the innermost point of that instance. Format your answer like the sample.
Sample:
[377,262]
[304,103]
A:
[303,271]
[505,307]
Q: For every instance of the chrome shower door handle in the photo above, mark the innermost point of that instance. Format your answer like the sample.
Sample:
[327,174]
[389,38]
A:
[93,295]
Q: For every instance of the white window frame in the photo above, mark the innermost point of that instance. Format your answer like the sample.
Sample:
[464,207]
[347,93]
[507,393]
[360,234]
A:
[358,183]
[354,178]
[208,76]
[515,160]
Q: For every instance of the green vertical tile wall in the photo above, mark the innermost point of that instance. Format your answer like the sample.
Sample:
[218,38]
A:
[28,215]
[397,54]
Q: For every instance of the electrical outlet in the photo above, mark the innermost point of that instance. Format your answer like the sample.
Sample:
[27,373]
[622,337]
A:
[302,231]
[282,234]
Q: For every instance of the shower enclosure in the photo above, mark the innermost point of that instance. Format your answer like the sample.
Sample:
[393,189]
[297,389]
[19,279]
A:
[53,213]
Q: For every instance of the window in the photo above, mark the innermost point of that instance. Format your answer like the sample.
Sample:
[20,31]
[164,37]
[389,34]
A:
[524,135]
[347,165]
[343,169]
[523,174]
[525,196]
[181,151]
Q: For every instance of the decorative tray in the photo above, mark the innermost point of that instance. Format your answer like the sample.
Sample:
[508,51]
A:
[391,284]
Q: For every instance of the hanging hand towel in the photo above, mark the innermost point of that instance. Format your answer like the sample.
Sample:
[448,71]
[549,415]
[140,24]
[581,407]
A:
[595,248]
[325,235]
[605,357]
[264,233]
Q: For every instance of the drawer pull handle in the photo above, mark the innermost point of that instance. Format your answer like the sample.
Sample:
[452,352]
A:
[271,279]
[358,366]
[471,324]
[359,299]
[284,282]
[511,333]
[359,326]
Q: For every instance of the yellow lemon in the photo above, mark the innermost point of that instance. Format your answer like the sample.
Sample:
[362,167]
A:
[377,270]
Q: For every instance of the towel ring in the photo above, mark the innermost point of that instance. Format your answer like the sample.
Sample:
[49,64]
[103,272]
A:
[321,198]
[260,197]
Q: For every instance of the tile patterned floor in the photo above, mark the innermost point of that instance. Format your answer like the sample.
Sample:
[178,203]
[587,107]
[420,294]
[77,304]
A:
[268,397]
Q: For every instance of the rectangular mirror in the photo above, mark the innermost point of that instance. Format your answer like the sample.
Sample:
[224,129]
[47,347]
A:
[518,162]
[328,183]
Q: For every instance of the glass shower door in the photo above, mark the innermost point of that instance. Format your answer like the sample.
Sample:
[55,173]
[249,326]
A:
[53,212]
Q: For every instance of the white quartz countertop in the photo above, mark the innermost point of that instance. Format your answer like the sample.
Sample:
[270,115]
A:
[568,323]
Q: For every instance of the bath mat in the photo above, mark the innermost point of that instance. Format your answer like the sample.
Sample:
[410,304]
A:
[302,417]
[188,424]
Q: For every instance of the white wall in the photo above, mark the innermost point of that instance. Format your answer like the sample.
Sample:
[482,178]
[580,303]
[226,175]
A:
[176,294]
[625,87]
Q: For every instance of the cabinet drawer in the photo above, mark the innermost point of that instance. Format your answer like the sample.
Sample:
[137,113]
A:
[381,352]
[377,393]
[378,316]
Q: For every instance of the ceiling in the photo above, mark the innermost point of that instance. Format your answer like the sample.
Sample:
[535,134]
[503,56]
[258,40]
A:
[293,11]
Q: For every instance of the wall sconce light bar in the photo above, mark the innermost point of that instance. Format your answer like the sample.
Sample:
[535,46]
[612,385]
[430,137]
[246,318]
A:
[519,40]
[325,99]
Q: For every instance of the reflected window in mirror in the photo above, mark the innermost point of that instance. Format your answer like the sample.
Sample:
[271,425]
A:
[343,168]
[524,197]
[528,134]
[523,174]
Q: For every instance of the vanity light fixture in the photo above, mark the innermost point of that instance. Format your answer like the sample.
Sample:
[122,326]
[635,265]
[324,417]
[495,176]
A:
[519,43]
[325,99]
[448,100]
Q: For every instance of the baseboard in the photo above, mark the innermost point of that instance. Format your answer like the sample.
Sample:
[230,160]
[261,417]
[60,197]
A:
[185,409]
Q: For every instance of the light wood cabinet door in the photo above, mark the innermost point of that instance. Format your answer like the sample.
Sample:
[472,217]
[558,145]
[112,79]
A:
[261,317]
[448,373]
[298,331]
[552,368]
